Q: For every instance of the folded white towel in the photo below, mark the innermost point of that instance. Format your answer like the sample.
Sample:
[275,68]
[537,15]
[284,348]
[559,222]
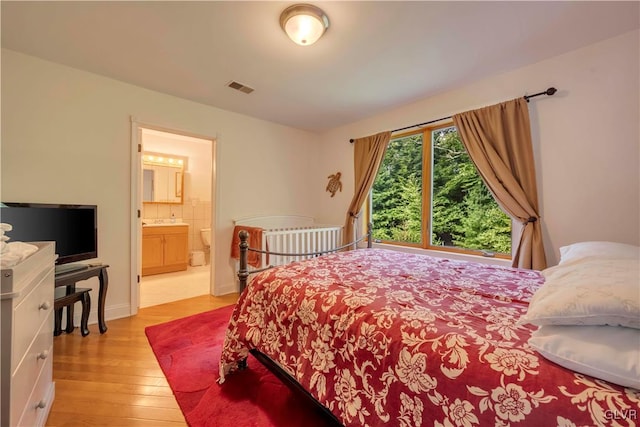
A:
[9,259]
[15,252]
[3,247]
[5,227]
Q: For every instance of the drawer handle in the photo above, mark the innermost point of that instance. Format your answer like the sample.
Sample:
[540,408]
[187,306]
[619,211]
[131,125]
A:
[45,305]
[42,404]
[43,355]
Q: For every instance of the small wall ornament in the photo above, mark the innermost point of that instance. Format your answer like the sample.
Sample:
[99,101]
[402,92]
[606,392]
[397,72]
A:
[334,183]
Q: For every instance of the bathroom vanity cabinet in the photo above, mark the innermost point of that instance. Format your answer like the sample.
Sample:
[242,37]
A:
[165,248]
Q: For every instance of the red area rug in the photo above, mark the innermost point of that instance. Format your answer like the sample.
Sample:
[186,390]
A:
[188,351]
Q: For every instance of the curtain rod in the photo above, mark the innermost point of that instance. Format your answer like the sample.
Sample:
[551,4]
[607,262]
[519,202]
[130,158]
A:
[549,92]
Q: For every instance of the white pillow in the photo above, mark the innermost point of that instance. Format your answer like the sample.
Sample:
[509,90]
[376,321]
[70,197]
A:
[606,352]
[603,250]
[593,292]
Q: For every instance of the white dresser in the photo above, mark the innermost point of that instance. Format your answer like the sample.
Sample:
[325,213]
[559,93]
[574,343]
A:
[26,358]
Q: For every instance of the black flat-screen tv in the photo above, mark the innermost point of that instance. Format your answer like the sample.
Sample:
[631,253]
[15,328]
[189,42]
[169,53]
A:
[74,228]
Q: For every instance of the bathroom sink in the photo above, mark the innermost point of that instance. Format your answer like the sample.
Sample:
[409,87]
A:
[162,222]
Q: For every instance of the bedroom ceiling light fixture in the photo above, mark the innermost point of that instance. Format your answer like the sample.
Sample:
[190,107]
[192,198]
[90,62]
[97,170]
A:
[304,23]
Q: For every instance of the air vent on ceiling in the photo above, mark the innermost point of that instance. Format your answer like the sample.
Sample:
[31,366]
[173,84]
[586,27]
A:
[239,86]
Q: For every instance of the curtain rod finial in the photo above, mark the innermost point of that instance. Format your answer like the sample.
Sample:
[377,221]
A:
[551,91]
[351,140]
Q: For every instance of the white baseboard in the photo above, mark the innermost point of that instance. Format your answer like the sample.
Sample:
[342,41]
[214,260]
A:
[110,313]
[227,288]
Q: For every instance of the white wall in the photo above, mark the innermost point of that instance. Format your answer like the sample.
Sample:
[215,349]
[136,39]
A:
[66,138]
[586,140]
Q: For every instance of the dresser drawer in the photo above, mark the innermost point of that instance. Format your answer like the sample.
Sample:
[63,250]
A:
[30,369]
[39,403]
[18,279]
[29,316]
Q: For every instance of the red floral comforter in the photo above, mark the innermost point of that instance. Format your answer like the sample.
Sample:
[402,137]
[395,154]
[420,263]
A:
[387,338]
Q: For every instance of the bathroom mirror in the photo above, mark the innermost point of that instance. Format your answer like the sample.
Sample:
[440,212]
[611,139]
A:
[162,178]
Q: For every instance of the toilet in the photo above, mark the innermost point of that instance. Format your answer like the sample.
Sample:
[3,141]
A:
[198,257]
[205,234]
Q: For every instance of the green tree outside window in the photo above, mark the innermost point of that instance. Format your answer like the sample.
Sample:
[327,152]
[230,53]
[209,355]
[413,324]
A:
[460,211]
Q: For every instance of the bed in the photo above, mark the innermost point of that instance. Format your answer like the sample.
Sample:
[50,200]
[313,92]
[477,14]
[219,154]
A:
[380,337]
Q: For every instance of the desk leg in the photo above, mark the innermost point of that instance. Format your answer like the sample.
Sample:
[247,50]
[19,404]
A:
[86,308]
[102,295]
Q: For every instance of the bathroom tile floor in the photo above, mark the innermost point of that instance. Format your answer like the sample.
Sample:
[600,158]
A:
[162,288]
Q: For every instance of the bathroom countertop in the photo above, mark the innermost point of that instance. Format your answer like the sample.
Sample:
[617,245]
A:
[162,223]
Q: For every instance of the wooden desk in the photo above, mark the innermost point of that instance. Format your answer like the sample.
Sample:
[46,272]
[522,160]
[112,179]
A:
[70,278]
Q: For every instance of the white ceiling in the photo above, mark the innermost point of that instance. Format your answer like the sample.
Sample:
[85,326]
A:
[375,56]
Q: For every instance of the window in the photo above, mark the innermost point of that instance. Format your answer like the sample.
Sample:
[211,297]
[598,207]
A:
[428,194]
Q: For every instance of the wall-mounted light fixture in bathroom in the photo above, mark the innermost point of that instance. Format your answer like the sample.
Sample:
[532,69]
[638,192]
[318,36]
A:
[163,177]
[161,160]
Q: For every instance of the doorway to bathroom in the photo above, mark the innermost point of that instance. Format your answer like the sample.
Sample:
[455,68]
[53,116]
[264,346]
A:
[176,197]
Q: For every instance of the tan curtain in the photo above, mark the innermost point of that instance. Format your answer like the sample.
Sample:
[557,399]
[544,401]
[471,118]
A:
[498,139]
[368,153]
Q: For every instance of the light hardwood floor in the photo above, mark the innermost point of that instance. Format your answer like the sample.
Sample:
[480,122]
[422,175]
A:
[114,379]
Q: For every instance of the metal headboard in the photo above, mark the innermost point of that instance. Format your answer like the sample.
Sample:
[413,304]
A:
[244,272]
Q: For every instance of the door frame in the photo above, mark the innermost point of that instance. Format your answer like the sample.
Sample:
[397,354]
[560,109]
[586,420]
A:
[136,204]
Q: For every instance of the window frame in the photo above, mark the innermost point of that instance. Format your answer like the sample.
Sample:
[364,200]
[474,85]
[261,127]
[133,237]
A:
[427,199]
